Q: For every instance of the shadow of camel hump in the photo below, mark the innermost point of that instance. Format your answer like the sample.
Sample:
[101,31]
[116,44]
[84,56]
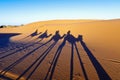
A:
[102,74]
[5,38]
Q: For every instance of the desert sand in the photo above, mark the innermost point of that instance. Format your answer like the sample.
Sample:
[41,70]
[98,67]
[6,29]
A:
[28,53]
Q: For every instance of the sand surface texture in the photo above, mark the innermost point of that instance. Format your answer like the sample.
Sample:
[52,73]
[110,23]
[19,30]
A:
[52,50]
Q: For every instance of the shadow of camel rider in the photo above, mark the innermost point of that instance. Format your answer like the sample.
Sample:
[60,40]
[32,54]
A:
[44,35]
[70,38]
[35,33]
[56,37]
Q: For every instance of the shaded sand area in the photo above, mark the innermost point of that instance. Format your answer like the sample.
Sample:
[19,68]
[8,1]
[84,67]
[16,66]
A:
[61,50]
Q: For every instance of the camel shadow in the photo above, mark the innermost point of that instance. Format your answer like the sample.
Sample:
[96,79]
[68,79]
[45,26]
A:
[44,35]
[72,40]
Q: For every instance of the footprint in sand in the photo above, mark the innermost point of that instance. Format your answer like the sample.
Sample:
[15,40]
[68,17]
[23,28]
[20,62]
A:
[77,76]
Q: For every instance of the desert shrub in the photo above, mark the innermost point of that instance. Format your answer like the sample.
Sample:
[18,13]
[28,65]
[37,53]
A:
[2,26]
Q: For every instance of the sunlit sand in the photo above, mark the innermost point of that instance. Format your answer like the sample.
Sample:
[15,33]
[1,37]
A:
[28,54]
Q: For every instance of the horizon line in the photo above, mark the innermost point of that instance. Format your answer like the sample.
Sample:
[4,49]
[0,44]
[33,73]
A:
[17,24]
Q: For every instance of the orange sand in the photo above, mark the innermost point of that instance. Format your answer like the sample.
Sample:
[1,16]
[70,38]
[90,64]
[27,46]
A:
[100,36]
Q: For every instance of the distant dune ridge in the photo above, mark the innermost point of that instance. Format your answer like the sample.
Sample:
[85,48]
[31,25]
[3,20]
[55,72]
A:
[43,52]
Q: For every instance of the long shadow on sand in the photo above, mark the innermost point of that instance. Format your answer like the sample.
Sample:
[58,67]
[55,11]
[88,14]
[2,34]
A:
[18,45]
[35,33]
[26,44]
[72,40]
[5,78]
[22,58]
[81,63]
[44,35]
[99,69]
[54,61]
[55,38]
[51,69]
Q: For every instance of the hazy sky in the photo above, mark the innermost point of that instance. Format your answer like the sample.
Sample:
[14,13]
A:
[26,11]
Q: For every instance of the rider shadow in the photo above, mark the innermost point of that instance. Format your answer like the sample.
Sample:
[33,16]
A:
[102,74]
[35,33]
[44,35]
[55,38]
[5,38]
[32,35]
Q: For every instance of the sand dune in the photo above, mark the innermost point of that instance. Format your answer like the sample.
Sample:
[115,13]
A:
[36,55]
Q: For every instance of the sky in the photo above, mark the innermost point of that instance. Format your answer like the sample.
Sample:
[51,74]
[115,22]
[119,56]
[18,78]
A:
[16,12]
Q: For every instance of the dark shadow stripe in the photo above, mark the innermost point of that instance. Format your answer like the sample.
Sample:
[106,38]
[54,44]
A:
[50,48]
[81,63]
[100,70]
[72,62]
[57,54]
[32,64]
[20,60]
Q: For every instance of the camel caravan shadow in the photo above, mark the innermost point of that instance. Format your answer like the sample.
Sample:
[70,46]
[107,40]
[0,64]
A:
[102,74]
[24,46]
